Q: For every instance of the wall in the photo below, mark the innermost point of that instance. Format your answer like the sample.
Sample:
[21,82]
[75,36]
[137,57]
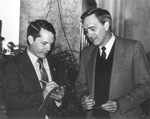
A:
[63,14]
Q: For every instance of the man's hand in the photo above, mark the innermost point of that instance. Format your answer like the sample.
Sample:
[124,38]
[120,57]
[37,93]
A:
[49,87]
[110,106]
[57,93]
[87,102]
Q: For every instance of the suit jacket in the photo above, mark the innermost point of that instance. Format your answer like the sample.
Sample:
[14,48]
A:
[21,89]
[129,82]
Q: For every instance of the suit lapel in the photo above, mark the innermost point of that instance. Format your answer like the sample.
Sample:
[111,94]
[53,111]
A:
[118,62]
[91,70]
[53,69]
[28,71]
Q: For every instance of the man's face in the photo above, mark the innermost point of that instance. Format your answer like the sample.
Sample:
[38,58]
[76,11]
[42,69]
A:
[94,30]
[41,45]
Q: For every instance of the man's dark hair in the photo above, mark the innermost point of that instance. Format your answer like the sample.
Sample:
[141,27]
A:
[35,27]
[101,14]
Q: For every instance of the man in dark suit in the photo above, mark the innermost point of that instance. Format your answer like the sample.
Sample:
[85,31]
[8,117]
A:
[114,77]
[22,85]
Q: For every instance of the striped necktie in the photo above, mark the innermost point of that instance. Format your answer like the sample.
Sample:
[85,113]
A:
[44,76]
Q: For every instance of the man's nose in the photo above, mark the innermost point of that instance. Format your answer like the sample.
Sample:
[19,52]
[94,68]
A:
[89,34]
[48,47]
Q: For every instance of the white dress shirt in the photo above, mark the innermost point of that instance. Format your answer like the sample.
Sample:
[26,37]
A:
[108,46]
[35,64]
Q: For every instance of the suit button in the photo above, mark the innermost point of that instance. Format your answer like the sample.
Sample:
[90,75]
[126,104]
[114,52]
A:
[37,103]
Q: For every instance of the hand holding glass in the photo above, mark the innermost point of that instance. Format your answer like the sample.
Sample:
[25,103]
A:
[87,102]
[57,93]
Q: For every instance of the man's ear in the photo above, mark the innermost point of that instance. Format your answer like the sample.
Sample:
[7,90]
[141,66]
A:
[30,39]
[106,25]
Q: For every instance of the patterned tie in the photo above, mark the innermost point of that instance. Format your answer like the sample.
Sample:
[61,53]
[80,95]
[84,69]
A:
[103,56]
[44,76]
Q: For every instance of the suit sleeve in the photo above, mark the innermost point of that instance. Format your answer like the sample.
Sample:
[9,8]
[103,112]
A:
[141,79]
[18,94]
[81,84]
[59,77]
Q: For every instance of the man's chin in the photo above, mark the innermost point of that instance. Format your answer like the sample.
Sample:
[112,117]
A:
[96,44]
[42,56]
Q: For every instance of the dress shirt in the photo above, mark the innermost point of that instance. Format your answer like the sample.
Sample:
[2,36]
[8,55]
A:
[36,66]
[33,59]
[108,46]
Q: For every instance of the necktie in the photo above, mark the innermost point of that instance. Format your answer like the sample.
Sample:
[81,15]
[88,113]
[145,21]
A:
[103,56]
[44,76]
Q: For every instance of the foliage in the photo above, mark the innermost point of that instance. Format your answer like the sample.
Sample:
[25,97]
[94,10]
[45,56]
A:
[69,61]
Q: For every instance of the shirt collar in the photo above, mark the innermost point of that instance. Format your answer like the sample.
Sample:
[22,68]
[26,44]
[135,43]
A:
[32,57]
[109,45]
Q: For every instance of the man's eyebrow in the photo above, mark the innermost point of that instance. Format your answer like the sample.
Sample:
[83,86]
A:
[44,42]
[90,27]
